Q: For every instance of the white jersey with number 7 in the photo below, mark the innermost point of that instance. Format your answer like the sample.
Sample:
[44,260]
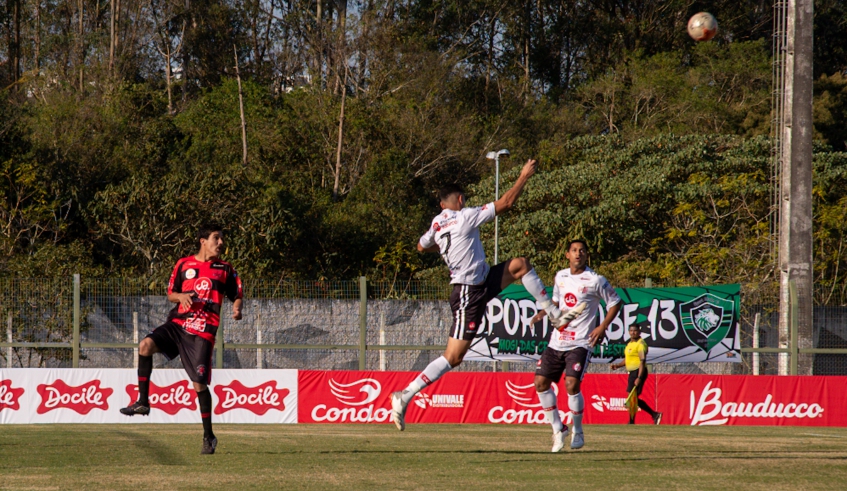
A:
[570,290]
[457,235]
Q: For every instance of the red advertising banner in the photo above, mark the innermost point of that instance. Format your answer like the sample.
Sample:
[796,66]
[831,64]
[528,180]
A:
[745,400]
[458,397]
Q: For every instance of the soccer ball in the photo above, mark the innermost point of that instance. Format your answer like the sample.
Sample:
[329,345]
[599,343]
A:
[702,26]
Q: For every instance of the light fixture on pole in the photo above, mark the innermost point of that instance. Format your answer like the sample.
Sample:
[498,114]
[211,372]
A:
[495,156]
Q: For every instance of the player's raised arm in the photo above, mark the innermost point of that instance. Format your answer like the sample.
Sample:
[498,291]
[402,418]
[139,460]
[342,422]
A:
[509,198]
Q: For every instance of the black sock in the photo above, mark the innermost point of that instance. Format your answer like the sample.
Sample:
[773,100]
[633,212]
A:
[644,407]
[205,400]
[145,368]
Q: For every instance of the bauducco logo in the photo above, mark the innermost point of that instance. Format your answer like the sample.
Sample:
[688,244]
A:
[523,395]
[359,396]
[170,399]
[10,396]
[711,410]
[258,400]
[81,399]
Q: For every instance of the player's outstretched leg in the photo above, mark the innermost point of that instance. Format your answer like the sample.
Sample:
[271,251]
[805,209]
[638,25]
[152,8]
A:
[145,368]
[452,357]
[204,398]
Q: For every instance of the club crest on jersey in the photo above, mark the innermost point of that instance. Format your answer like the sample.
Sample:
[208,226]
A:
[472,326]
[582,289]
[190,274]
[577,367]
[201,370]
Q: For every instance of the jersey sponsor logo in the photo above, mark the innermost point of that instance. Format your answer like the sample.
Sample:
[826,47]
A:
[81,399]
[190,274]
[711,410]
[570,299]
[472,326]
[424,401]
[218,266]
[171,399]
[258,400]
[203,287]
[10,396]
[527,397]
[436,227]
[359,395]
[602,404]
[577,367]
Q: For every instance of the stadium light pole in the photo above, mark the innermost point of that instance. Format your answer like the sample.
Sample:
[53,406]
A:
[495,156]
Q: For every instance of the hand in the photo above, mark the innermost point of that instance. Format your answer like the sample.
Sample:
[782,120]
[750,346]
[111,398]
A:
[236,314]
[597,335]
[537,318]
[615,366]
[529,168]
[186,300]
[637,383]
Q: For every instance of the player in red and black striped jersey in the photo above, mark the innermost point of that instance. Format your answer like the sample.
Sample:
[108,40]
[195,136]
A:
[197,286]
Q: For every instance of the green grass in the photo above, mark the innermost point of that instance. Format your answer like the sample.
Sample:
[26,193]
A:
[431,457]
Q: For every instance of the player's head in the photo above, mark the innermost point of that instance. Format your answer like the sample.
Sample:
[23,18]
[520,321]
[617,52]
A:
[211,238]
[452,197]
[577,253]
[634,332]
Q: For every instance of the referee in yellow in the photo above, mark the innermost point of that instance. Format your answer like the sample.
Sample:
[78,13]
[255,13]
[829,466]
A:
[635,360]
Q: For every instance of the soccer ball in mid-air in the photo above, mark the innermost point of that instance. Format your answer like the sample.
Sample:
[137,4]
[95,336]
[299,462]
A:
[702,26]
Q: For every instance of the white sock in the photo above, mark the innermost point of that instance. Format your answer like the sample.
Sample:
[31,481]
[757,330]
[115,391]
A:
[431,373]
[548,405]
[535,287]
[576,404]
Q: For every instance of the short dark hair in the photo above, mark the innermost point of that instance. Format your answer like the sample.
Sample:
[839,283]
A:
[578,241]
[206,229]
[445,192]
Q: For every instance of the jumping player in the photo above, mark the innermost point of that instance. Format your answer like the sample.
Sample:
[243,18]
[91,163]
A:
[198,285]
[569,349]
[455,235]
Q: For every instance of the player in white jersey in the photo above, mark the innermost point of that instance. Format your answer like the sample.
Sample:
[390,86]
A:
[454,234]
[569,348]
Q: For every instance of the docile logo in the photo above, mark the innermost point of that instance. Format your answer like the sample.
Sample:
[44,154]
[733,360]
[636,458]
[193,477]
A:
[10,396]
[258,400]
[81,399]
[170,399]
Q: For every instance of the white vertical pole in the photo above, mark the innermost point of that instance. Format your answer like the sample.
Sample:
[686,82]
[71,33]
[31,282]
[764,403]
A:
[382,341]
[496,197]
[260,359]
[135,339]
[756,344]
[9,339]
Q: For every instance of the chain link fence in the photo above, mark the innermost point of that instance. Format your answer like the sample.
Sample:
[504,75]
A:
[326,325]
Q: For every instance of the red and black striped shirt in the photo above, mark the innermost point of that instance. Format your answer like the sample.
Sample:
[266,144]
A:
[210,281]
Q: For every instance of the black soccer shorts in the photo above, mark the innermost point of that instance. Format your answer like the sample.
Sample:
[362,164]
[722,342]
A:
[553,363]
[194,351]
[469,302]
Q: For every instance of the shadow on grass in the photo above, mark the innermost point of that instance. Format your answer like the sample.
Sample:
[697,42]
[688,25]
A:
[154,449]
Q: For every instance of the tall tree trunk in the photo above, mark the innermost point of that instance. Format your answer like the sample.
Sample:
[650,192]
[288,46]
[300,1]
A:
[37,36]
[241,110]
[341,45]
[81,56]
[335,187]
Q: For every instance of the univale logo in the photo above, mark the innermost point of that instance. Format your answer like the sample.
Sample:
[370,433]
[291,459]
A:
[81,399]
[612,403]
[439,400]
[710,409]
[170,399]
[258,400]
[526,396]
[10,396]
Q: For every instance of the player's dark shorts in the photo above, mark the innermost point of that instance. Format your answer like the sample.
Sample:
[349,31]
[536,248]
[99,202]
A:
[633,376]
[194,351]
[553,363]
[469,303]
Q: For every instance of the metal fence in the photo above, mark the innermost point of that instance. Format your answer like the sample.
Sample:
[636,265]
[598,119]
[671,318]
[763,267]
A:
[340,325]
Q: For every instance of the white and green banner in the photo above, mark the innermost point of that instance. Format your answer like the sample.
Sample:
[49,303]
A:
[689,324]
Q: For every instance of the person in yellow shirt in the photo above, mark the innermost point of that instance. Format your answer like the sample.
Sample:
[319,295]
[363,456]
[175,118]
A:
[635,361]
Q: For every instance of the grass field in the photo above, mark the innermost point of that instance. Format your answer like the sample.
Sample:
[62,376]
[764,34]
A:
[431,457]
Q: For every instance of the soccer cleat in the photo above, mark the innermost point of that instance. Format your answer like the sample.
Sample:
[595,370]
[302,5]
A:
[562,321]
[559,438]
[398,410]
[136,408]
[577,440]
[209,445]
[657,418]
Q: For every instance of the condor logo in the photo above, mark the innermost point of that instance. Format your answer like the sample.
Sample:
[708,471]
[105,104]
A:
[523,395]
[360,395]
[10,396]
[82,399]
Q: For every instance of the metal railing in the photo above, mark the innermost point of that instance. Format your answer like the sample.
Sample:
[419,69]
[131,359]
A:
[97,322]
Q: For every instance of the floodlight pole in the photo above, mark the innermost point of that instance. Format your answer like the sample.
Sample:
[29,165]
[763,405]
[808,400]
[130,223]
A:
[496,157]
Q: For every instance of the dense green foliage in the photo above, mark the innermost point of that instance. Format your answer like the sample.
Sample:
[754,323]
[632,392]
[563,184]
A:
[118,138]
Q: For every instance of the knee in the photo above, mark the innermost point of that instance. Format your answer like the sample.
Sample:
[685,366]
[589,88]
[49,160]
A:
[146,347]
[572,386]
[454,359]
[200,387]
[542,384]
[519,266]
